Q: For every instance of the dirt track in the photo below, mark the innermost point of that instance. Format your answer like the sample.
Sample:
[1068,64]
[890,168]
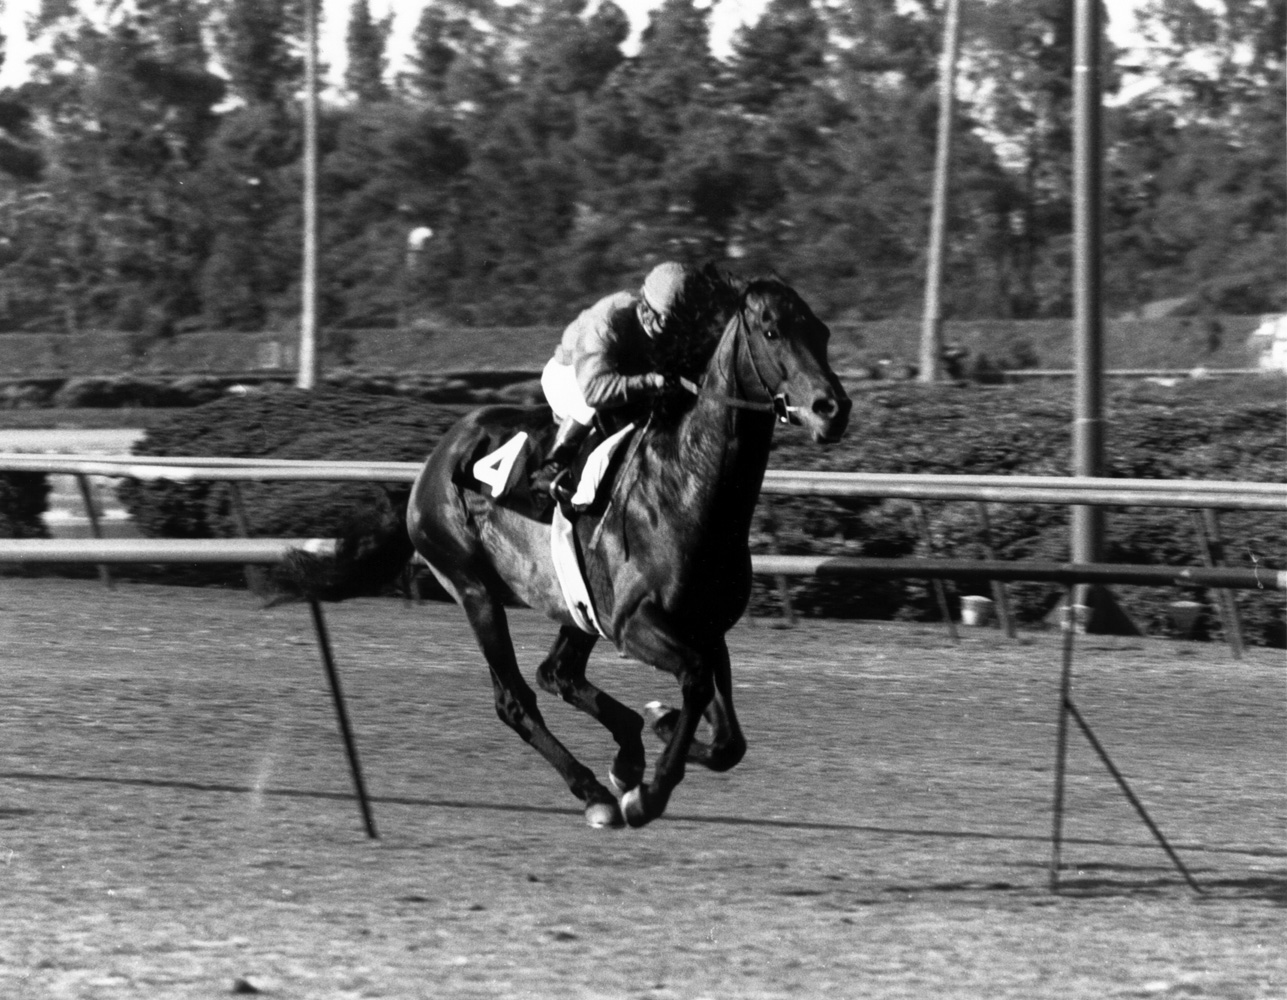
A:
[175,816]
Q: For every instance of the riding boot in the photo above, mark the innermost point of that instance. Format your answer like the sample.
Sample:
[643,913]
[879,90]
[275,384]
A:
[555,477]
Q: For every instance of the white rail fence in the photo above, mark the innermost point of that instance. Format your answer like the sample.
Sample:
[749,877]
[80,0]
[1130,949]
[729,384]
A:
[1208,496]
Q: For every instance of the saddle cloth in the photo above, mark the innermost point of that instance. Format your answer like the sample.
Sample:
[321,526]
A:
[565,551]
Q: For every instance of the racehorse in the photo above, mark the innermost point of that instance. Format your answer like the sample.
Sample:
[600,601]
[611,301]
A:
[667,558]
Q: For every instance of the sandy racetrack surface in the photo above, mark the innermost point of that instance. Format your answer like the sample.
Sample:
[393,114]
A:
[176,817]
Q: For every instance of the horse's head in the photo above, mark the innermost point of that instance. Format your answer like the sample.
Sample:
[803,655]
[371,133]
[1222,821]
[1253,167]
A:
[785,359]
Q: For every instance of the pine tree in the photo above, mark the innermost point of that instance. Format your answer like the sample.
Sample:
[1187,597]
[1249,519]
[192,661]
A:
[119,237]
[784,51]
[259,47]
[366,43]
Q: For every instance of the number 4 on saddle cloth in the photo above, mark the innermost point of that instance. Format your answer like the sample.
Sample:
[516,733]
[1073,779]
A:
[500,468]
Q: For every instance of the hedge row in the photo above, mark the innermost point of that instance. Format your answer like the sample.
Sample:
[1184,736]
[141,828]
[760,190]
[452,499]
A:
[1199,429]
[23,500]
[179,392]
[1196,429]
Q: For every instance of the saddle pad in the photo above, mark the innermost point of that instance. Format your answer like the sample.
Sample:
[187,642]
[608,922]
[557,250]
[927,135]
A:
[567,566]
[596,466]
[563,545]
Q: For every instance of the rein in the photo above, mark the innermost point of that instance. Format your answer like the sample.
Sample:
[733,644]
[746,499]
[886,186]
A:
[720,397]
[777,404]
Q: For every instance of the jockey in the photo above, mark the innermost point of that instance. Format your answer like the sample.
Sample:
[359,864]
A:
[605,360]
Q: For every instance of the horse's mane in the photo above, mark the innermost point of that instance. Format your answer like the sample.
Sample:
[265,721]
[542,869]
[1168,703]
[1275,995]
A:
[713,301]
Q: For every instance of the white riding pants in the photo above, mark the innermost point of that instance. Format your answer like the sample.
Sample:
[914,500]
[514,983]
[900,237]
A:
[564,394]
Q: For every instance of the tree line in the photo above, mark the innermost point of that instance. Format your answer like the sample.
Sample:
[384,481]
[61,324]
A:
[150,168]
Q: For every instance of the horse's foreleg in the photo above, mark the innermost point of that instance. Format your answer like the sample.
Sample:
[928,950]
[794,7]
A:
[727,745]
[649,637]
[563,673]
[516,706]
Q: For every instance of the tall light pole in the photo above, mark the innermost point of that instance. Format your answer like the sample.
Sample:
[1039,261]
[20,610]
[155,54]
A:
[932,319]
[309,361]
[1087,540]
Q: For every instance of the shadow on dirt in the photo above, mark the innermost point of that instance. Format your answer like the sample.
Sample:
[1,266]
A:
[1098,880]
[674,817]
[1270,888]
[1089,880]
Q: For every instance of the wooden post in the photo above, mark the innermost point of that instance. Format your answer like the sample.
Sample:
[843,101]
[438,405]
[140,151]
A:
[779,579]
[999,593]
[940,589]
[1207,525]
[255,578]
[91,511]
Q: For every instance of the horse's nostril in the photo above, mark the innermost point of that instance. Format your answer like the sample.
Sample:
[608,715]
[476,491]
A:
[825,407]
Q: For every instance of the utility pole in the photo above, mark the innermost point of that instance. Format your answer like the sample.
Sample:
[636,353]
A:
[1088,427]
[309,361]
[932,319]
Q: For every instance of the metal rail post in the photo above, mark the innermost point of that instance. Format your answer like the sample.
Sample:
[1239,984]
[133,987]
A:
[342,715]
[1068,709]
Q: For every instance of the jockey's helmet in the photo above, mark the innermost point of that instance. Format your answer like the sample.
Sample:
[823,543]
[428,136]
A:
[663,289]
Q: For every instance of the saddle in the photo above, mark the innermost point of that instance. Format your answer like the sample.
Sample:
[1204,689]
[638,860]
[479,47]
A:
[506,457]
[501,467]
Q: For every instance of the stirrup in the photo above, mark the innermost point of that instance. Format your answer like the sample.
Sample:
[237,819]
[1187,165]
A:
[561,489]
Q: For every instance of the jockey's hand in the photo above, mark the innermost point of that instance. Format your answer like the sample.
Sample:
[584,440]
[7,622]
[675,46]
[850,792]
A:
[671,385]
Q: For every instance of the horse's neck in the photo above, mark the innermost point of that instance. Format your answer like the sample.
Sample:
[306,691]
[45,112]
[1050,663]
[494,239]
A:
[724,450]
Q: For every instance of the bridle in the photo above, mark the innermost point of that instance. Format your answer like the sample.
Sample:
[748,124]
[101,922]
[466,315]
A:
[778,403]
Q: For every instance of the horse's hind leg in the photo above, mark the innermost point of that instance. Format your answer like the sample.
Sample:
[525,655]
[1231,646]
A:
[516,705]
[563,673]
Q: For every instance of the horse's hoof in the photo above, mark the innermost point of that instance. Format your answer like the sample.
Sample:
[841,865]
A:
[601,815]
[632,807]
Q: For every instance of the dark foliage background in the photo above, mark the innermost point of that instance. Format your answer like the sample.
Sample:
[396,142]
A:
[143,192]
[23,497]
[1200,429]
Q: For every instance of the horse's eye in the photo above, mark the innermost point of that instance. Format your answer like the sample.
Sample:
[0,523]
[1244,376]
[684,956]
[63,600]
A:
[768,323]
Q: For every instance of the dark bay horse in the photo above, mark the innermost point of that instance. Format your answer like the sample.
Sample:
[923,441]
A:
[668,564]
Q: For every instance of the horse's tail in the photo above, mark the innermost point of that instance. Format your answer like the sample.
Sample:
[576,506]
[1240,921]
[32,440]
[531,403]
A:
[370,552]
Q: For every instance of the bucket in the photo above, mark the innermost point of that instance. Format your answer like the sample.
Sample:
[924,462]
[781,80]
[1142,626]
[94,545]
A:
[976,610]
[1077,618]
[1184,616]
